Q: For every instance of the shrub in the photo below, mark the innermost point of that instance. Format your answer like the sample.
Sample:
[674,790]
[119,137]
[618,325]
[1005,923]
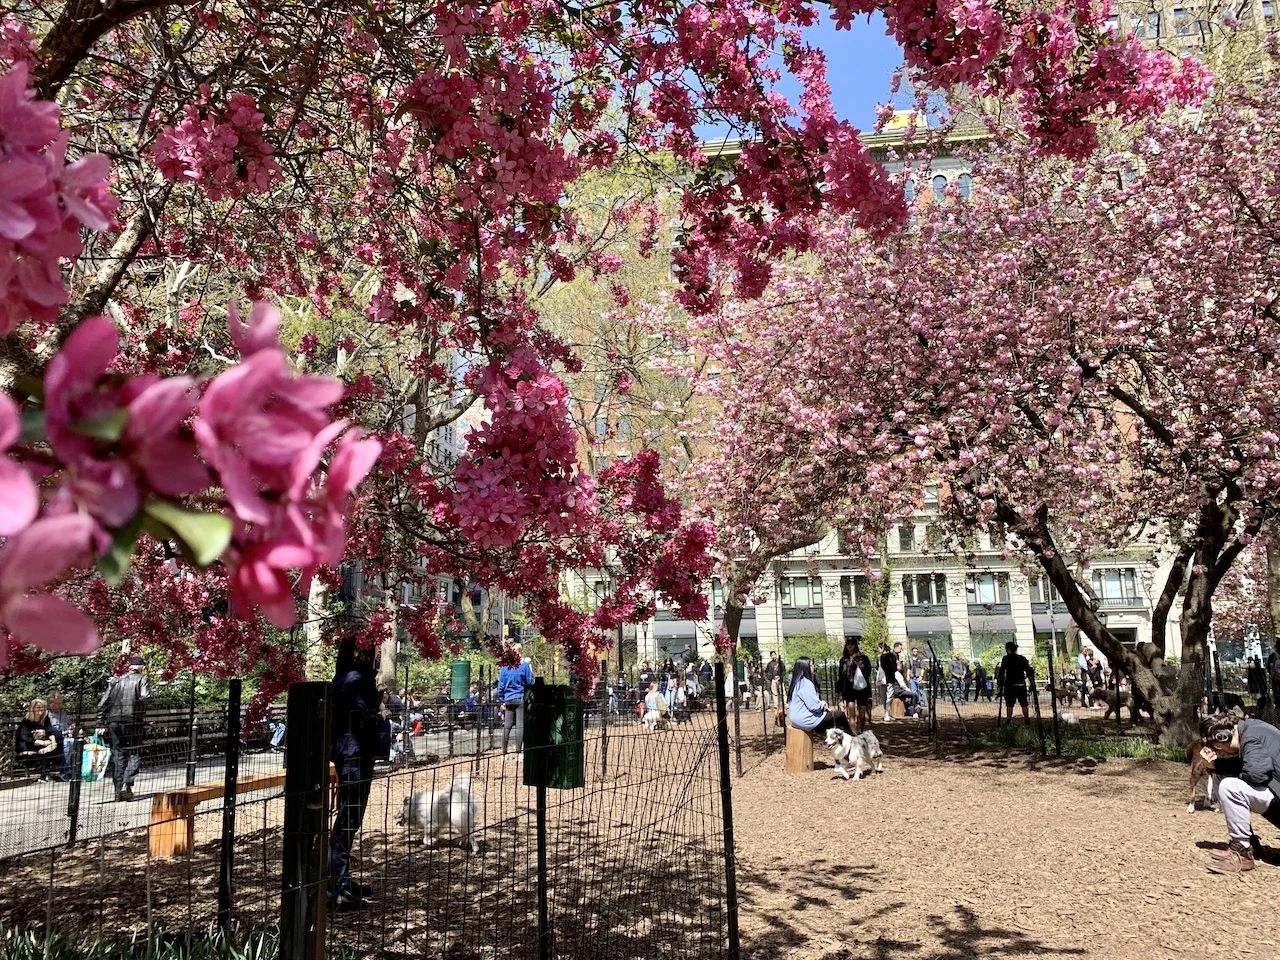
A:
[1075,743]
[24,943]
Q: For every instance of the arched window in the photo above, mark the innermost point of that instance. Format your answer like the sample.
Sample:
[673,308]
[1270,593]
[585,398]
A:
[909,191]
[966,186]
[939,186]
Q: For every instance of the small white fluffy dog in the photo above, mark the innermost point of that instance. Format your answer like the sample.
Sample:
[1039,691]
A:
[438,813]
[860,754]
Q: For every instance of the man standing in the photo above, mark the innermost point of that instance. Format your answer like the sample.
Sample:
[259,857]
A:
[889,666]
[1012,677]
[62,727]
[915,675]
[774,671]
[121,709]
[957,676]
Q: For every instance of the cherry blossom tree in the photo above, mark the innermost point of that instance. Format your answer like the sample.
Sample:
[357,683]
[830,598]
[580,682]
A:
[1083,354]
[399,170]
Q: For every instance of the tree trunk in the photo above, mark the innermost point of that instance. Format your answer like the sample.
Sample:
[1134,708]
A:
[316,666]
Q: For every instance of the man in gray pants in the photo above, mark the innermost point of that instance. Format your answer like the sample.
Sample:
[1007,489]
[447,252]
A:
[121,709]
[1255,790]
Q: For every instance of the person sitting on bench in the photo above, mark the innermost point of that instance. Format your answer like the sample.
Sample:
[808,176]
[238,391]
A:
[36,741]
[809,712]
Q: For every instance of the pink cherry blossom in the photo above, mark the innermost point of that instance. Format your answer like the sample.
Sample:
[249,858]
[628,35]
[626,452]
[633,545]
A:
[19,499]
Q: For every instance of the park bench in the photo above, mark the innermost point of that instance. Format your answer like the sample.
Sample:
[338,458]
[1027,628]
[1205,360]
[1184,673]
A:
[172,830]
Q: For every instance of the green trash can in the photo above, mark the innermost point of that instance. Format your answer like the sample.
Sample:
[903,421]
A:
[742,671]
[459,679]
[554,751]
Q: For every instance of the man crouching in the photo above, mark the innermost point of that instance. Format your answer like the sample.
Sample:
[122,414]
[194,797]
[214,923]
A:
[1255,790]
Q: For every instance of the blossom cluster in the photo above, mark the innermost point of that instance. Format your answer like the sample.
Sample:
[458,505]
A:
[44,201]
[108,457]
[223,151]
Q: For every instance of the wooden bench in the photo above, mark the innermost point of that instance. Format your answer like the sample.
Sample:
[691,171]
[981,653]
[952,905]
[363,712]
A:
[172,830]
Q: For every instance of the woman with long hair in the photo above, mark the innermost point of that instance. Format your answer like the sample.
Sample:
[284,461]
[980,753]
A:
[810,712]
[855,684]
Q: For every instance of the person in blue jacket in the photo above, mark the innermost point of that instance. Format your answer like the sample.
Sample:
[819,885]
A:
[512,683]
[360,735]
[809,711]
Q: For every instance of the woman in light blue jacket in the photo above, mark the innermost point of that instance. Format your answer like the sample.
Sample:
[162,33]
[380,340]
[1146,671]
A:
[512,683]
[809,711]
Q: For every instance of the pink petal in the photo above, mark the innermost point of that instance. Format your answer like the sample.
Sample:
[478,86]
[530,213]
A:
[19,498]
[50,623]
[260,333]
[160,408]
[172,467]
[241,491]
[242,387]
[312,391]
[306,462]
[351,463]
[44,551]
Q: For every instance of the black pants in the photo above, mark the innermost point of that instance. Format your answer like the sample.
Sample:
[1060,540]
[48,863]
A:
[355,776]
[126,751]
[833,718]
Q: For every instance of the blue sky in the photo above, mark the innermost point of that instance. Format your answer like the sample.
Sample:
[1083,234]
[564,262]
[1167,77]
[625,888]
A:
[859,64]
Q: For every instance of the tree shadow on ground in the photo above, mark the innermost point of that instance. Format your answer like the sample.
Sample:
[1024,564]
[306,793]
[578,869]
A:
[962,935]
[795,895]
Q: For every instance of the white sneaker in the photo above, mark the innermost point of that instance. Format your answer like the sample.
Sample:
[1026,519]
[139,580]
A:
[887,718]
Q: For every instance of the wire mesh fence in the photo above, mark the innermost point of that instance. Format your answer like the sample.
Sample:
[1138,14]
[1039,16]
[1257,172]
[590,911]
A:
[631,860]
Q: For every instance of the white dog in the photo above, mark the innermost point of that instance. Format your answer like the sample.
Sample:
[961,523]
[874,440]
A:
[437,813]
[860,754]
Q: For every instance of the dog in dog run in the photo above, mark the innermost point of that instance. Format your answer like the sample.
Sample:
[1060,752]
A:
[439,813]
[860,754]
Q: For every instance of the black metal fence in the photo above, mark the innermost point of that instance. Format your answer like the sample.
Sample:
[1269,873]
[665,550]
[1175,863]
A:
[632,860]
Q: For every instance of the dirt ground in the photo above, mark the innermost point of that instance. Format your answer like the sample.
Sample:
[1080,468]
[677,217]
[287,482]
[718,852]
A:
[988,855]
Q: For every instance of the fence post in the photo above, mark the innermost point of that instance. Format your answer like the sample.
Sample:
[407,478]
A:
[604,718]
[1035,693]
[1053,703]
[193,733]
[77,755]
[726,803]
[737,700]
[306,823]
[537,766]
[765,693]
[230,780]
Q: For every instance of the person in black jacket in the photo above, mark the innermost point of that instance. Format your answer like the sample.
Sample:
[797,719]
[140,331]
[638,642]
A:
[122,709]
[36,742]
[1255,790]
[360,734]
[855,692]
[1012,678]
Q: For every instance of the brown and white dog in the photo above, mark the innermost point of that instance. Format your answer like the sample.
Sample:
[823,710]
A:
[1200,770]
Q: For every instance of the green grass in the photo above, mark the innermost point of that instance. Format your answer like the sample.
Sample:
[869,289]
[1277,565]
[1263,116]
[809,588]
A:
[23,943]
[1075,743]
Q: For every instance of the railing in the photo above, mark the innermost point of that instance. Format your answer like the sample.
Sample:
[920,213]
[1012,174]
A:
[801,613]
[989,609]
[1122,603]
[926,609]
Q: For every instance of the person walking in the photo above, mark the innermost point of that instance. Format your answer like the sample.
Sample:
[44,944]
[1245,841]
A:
[774,671]
[1012,677]
[512,683]
[122,709]
[359,734]
[889,667]
[855,684]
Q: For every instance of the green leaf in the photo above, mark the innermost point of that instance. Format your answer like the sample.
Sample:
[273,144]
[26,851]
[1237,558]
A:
[114,564]
[108,427]
[205,535]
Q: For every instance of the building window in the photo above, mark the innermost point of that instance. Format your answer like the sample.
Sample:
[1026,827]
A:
[624,428]
[1113,23]
[906,537]
[1040,589]
[800,592]
[909,191]
[599,393]
[987,588]
[1183,21]
[1268,11]
[966,186]
[602,426]
[855,591]
[931,496]
[939,187]
[717,594]
[923,589]
[1116,585]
